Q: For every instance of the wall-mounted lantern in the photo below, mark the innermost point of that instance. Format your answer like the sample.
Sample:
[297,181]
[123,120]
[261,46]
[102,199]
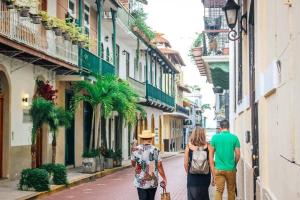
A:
[25,100]
[231,10]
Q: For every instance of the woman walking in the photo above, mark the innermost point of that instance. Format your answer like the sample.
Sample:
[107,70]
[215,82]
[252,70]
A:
[196,164]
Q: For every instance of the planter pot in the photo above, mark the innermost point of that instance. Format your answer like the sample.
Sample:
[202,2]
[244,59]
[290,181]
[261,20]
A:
[24,11]
[197,51]
[75,42]
[57,31]
[117,163]
[226,51]
[109,163]
[10,5]
[35,19]
[89,165]
[66,36]
[81,44]
[100,163]
[46,25]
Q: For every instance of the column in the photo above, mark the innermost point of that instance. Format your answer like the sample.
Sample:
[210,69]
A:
[99,15]
[114,45]
[155,82]
[146,55]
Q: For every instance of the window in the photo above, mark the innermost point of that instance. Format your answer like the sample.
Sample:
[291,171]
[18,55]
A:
[127,64]
[86,19]
[72,8]
[107,55]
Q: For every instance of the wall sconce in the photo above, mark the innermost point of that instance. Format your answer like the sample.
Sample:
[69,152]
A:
[231,10]
[25,102]
[106,38]
[124,52]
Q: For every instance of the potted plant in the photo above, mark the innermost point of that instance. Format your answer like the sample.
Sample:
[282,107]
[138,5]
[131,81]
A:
[118,158]
[89,161]
[74,34]
[9,4]
[45,19]
[24,6]
[57,26]
[35,18]
[83,40]
[109,161]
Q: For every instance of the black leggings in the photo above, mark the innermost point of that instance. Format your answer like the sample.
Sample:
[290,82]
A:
[146,194]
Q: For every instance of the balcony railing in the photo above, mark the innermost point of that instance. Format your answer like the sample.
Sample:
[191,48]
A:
[125,17]
[91,62]
[182,109]
[139,87]
[23,31]
[158,95]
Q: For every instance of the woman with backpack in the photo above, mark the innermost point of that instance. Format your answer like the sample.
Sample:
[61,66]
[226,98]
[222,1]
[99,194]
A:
[196,164]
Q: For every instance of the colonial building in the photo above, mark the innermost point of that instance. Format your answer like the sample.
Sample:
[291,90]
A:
[264,93]
[211,54]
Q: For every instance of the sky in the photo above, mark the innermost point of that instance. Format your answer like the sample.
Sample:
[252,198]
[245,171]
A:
[180,21]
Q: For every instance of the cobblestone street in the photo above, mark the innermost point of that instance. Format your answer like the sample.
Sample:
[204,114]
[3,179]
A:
[119,186]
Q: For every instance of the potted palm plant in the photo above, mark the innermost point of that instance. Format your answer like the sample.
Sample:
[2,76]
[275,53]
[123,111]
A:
[118,158]
[89,162]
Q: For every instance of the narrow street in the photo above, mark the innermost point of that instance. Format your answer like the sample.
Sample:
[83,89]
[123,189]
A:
[119,186]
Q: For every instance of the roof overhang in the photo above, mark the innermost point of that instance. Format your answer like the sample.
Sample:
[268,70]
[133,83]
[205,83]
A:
[177,114]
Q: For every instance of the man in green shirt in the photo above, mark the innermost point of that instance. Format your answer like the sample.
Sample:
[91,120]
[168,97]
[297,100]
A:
[226,151]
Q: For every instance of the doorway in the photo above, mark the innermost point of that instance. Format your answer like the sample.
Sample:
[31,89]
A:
[1,135]
[87,121]
[69,133]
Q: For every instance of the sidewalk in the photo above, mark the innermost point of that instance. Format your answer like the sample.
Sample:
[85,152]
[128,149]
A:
[9,189]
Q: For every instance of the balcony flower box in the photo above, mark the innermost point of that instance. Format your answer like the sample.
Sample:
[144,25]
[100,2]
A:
[10,4]
[35,19]
[57,31]
[24,11]
[66,36]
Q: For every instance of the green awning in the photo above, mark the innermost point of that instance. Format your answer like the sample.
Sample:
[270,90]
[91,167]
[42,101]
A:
[220,74]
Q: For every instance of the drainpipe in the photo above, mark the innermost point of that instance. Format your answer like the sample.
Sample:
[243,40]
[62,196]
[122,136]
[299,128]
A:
[100,14]
[114,45]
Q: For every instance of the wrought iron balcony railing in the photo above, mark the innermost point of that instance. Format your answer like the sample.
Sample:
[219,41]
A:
[23,31]
[182,110]
[158,95]
[91,62]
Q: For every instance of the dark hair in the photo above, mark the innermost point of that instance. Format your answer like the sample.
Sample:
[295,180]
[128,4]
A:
[224,123]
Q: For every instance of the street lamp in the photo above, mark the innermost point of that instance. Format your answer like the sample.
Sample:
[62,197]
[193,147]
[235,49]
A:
[231,10]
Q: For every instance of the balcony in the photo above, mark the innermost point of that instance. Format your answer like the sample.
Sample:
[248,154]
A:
[91,62]
[182,110]
[34,39]
[138,86]
[156,94]
[125,17]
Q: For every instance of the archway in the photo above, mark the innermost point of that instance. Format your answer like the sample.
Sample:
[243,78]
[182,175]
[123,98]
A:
[4,124]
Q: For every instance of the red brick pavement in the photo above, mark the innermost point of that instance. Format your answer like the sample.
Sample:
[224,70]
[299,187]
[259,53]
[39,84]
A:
[119,186]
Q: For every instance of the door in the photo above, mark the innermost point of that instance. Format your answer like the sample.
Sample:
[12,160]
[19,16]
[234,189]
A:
[1,136]
[69,133]
[118,132]
[254,105]
[87,123]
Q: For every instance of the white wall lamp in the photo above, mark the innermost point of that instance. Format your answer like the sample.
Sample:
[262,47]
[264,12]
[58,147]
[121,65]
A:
[25,100]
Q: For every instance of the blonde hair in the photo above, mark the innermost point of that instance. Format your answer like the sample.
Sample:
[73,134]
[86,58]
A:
[198,137]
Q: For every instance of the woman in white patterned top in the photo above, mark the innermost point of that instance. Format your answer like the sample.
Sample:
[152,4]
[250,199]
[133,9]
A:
[146,160]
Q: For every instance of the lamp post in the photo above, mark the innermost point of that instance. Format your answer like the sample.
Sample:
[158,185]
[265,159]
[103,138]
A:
[231,10]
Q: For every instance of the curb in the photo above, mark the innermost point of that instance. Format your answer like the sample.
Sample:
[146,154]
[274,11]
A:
[78,181]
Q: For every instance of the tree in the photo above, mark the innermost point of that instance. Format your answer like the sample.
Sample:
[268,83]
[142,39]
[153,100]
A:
[106,94]
[58,117]
[40,113]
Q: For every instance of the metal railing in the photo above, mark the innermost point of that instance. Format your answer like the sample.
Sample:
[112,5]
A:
[138,86]
[182,109]
[91,62]
[125,17]
[23,31]
[157,94]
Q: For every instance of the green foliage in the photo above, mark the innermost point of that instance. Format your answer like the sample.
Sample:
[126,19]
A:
[34,178]
[60,174]
[140,22]
[117,154]
[58,171]
[198,42]
[205,107]
[40,113]
[110,153]
[91,153]
[59,117]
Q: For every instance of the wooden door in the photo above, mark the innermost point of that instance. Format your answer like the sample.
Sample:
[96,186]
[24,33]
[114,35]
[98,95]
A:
[1,136]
